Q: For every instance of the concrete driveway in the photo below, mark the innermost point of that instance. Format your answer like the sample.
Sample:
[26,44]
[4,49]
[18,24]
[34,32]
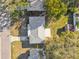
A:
[5,45]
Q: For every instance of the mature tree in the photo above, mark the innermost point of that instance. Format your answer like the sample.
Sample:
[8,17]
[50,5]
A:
[13,5]
[71,5]
[64,47]
[55,8]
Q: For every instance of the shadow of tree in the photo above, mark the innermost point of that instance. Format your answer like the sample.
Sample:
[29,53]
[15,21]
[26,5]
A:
[23,31]
[24,55]
[26,44]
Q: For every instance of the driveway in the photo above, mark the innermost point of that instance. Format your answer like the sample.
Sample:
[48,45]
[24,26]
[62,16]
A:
[5,45]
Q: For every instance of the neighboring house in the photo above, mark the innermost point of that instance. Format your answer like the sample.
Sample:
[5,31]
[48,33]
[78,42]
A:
[73,22]
[70,25]
[76,21]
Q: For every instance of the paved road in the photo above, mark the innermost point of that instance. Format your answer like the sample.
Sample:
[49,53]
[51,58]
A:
[5,45]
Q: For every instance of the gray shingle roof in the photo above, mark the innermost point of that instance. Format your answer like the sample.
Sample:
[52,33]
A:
[36,27]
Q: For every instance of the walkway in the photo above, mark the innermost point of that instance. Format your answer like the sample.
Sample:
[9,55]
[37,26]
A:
[17,38]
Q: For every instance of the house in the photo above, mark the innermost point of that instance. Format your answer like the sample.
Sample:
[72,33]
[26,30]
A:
[36,30]
[73,22]
[76,21]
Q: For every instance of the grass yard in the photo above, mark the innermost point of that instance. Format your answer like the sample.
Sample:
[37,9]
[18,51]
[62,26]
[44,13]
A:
[14,29]
[16,49]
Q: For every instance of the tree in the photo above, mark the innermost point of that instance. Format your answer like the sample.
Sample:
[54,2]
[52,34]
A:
[71,5]
[55,8]
[64,47]
[12,6]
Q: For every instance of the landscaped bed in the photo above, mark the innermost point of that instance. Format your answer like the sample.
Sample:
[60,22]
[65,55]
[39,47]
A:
[17,50]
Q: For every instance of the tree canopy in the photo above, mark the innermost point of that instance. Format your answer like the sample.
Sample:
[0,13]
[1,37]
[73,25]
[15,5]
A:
[56,8]
[12,7]
[64,47]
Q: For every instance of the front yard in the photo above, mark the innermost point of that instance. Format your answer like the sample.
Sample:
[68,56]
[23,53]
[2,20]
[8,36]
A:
[17,50]
[14,29]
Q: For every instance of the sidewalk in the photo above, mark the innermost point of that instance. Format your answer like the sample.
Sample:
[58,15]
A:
[0,46]
[17,38]
[5,43]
